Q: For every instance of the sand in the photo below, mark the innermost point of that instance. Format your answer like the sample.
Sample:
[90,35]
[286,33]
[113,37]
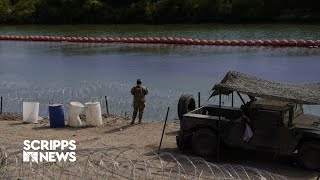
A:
[117,132]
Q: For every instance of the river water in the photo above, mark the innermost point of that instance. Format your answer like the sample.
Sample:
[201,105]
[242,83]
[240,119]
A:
[64,72]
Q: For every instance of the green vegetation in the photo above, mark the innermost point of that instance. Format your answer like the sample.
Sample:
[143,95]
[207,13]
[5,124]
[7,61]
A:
[156,11]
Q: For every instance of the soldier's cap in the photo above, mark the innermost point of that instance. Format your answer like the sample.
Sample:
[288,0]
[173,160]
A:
[139,81]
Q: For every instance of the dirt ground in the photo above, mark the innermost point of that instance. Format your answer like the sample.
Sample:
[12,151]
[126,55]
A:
[117,132]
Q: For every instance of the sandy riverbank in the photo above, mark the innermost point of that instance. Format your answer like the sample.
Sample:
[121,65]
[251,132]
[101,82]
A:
[117,132]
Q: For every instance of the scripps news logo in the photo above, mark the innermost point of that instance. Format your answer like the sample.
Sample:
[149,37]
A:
[49,151]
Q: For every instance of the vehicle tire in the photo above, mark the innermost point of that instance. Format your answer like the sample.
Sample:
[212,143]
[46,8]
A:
[183,140]
[309,156]
[204,142]
[186,103]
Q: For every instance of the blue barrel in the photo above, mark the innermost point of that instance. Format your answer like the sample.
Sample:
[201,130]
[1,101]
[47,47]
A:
[56,115]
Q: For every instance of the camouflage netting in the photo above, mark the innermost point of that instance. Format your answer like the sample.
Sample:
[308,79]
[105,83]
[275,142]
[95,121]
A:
[246,84]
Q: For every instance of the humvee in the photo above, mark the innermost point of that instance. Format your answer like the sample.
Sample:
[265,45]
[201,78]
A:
[275,120]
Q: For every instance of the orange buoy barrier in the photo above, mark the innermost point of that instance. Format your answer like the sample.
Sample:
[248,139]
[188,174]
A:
[226,42]
[168,40]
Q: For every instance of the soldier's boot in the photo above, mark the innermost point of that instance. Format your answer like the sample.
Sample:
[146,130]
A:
[140,115]
[134,116]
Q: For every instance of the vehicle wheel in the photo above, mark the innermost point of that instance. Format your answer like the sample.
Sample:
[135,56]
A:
[186,103]
[309,156]
[183,141]
[204,142]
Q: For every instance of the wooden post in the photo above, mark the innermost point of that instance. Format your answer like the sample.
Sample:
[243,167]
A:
[1,105]
[164,127]
[107,106]
[232,99]
[199,100]
[218,138]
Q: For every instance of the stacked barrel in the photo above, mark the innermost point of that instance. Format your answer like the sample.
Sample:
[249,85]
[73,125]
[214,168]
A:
[169,40]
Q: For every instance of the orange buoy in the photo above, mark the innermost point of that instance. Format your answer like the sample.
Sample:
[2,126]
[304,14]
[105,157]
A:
[91,39]
[79,39]
[292,42]
[310,43]
[317,43]
[5,37]
[196,42]
[150,40]
[219,42]
[259,42]
[104,40]
[203,42]
[117,39]
[41,38]
[189,41]
[143,40]
[243,43]
[284,42]
[62,39]
[124,40]
[251,43]
[23,38]
[73,39]
[85,39]
[136,40]
[226,42]
[211,42]
[156,40]
[275,42]
[111,40]
[169,40]
[267,42]
[1,37]
[97,40]
[130,40]
[68,39]
[183,41]
[234,43]
[176,40]
[301,42]
[163,40]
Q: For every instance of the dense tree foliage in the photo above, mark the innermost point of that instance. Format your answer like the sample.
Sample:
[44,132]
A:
[155,11]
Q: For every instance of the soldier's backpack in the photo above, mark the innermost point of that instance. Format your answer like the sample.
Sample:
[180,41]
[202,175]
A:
[139,93]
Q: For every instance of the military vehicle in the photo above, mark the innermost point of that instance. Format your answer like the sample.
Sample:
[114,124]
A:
[272,122]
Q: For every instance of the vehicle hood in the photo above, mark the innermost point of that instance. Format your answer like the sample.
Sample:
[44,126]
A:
[307,122]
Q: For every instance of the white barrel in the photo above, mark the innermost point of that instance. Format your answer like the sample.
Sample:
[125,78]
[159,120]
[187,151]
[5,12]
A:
[30,112]
[76,108]
[93,113]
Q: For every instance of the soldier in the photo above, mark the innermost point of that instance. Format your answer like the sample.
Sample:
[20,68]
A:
[139,92]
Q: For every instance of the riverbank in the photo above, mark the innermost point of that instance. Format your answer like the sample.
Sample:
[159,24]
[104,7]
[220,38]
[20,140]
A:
[116,132]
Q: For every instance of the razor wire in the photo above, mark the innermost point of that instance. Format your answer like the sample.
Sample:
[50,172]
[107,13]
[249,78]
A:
[127,162]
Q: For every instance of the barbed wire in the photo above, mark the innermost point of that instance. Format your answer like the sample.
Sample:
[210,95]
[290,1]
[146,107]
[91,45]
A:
[127,162]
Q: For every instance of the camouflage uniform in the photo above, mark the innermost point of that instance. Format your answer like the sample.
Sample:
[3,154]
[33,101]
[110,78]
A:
[139,92]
